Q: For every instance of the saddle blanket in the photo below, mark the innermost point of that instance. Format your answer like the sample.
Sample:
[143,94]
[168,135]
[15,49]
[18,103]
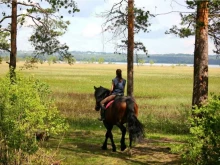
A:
[109,103]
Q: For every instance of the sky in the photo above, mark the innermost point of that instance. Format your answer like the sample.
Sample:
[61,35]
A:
[85,31]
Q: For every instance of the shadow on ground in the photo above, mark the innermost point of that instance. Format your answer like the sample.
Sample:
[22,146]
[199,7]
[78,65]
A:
[147,152]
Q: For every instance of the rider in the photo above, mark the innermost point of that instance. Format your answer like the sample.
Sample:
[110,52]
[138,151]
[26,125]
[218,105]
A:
[117,88]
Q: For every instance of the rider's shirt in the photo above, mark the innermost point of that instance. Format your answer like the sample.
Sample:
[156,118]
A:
[118,86]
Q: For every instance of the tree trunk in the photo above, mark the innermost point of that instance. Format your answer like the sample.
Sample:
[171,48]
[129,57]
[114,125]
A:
[12,64]
[200,84]
[130,51]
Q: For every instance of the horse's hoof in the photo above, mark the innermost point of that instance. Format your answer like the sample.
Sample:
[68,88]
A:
[104,148]
[123,148]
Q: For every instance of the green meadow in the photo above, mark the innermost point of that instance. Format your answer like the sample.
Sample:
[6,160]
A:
[163,94]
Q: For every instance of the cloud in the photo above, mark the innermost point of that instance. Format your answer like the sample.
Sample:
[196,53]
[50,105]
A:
[22,39]
[84,32]
[88,7]
[91,30]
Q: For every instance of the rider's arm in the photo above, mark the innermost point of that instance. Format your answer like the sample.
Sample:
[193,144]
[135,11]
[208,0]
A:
[112,87]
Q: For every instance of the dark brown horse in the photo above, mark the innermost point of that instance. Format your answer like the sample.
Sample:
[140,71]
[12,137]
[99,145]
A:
[122,110]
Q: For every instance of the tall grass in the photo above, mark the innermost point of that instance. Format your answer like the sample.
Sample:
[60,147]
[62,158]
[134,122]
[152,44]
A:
[163,93]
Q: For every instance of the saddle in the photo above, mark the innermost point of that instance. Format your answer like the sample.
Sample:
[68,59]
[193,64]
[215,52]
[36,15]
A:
[110,102]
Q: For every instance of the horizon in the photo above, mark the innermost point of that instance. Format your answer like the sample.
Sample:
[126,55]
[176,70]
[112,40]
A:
[88,51]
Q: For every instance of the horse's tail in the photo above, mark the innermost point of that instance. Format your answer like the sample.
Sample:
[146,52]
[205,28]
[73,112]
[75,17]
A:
[135,127]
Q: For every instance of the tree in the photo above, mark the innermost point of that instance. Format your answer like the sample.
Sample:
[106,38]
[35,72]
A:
[200,83]
[141,61]
[41,17]
[13,53]
[130,52]
[101,60]
[151,62]
[202,23]
[132,20]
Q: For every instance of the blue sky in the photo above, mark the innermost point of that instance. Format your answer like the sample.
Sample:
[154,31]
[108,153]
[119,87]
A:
[85,32]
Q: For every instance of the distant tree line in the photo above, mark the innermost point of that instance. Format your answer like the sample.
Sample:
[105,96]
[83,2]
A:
[101,57]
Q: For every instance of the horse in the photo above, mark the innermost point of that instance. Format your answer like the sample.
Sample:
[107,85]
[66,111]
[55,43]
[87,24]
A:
[123,110]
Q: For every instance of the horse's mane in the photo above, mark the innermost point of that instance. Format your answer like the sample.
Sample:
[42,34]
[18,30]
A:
[101,92]
[103,88]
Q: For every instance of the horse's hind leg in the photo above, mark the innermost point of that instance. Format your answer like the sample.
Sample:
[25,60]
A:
[130,139]
[123,131]
[112,141]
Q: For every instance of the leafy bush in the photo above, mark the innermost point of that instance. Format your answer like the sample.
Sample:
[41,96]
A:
[26,108]
[204,145]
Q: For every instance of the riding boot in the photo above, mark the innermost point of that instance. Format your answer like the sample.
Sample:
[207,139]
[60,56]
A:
[102,113]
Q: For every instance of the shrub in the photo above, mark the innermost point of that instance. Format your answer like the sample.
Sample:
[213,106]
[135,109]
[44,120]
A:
[26,108]
[204,145]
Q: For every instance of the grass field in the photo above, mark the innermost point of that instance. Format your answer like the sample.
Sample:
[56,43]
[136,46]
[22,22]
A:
[163,94]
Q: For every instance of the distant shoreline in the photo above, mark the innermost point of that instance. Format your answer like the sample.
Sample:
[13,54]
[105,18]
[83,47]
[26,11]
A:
[148,64]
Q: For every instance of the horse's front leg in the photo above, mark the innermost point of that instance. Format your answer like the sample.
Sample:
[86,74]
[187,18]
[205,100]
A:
[108,135]
[104,146]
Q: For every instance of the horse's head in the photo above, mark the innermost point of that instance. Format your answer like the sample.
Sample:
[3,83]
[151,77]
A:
[99,94]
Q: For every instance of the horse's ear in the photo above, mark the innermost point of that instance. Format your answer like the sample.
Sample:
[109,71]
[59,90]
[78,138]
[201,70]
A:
[95,87]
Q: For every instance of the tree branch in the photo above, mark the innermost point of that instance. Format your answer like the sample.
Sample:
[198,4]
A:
[4,29]
[6,50]
[4,18]
[32,5]
[33,18]
[171,12]
[114,6]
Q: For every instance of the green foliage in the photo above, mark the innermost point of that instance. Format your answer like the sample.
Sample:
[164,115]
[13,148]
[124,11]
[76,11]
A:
[52,60]
[48,25]
[204,145]
[141,61]
[101,60]
[151,62]
[45,40]
[4,36]
[29,63]
[56,5]
[26,108]
[92,60]
[68,60]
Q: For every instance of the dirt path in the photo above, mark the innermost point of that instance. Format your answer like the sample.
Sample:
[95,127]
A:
[152,152]
[85,148]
